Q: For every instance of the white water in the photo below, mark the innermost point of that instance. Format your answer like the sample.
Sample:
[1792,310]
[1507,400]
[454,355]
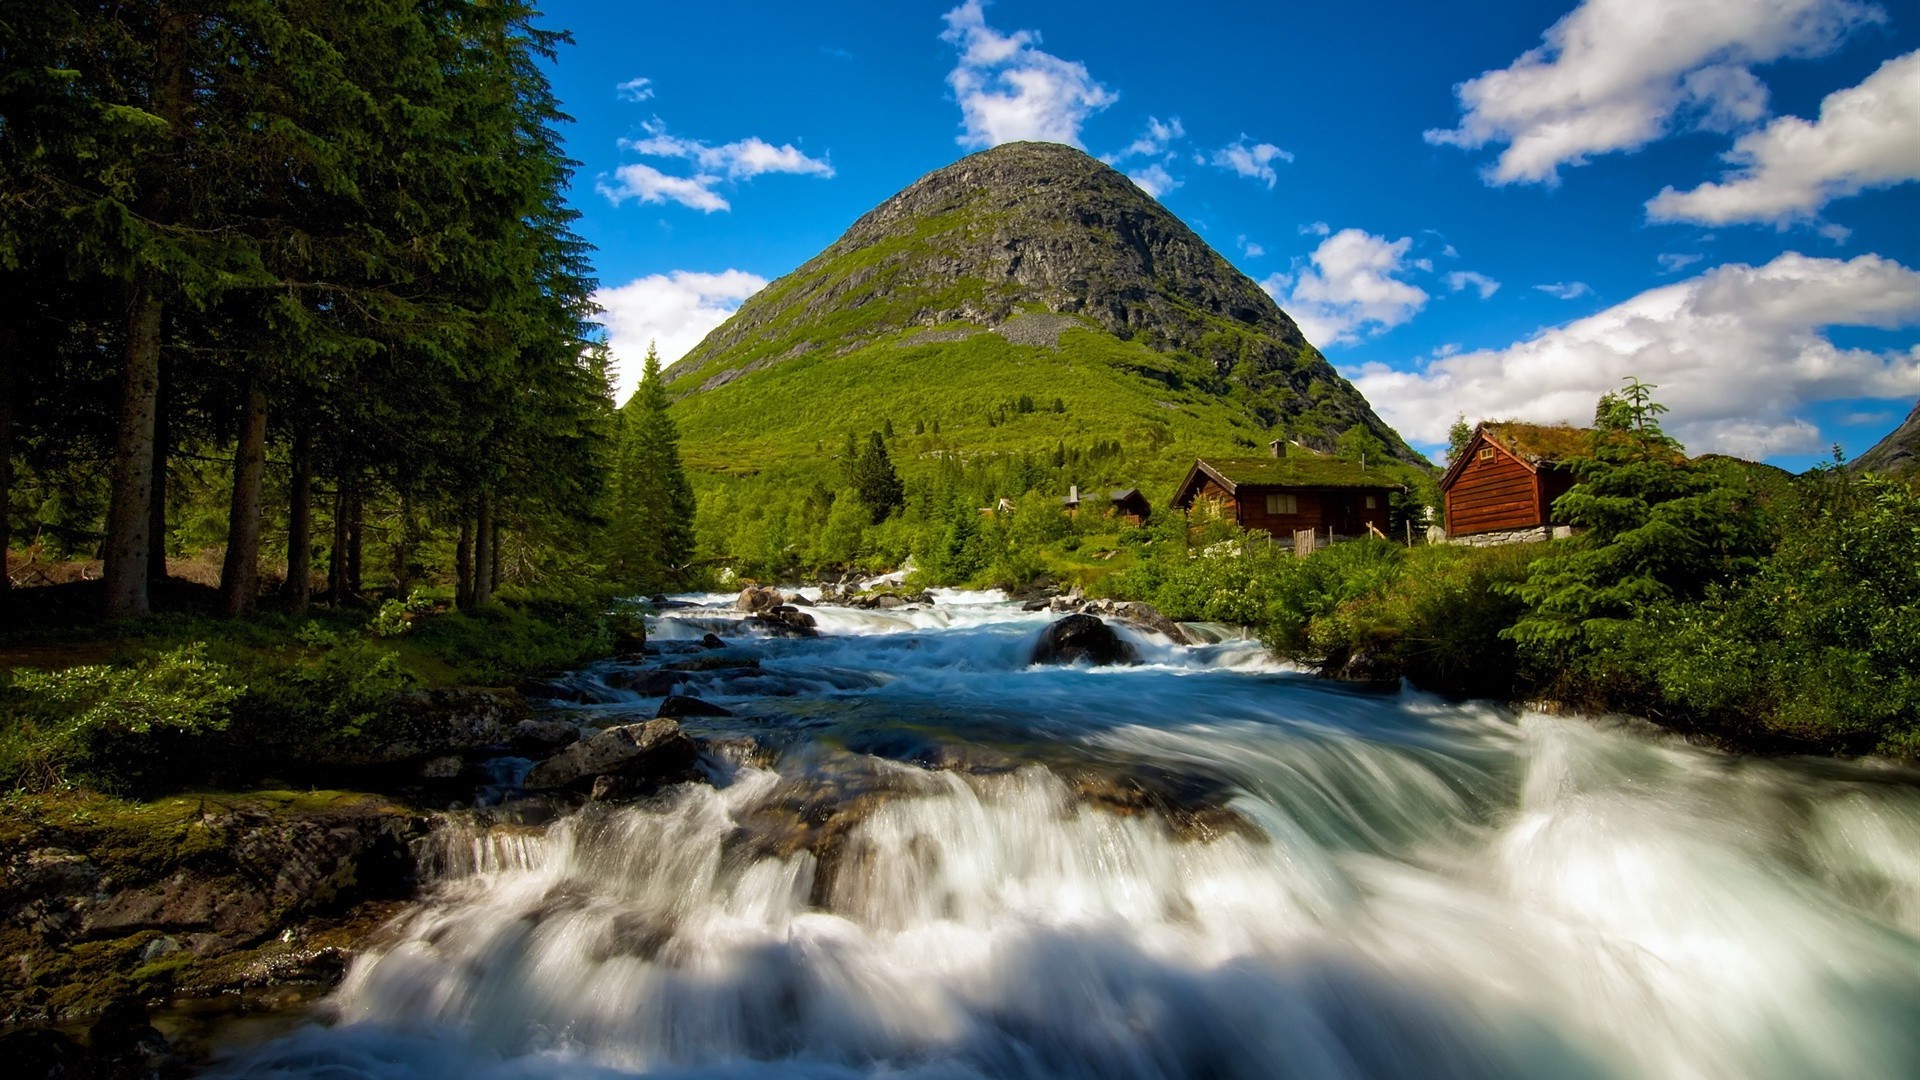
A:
[1385,886]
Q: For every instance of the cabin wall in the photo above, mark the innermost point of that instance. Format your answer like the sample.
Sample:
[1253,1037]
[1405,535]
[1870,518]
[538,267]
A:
[1317,510]
[1491,494]
[1553,484]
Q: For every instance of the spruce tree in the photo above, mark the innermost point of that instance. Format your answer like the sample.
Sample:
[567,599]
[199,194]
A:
[653,502]
[875,483]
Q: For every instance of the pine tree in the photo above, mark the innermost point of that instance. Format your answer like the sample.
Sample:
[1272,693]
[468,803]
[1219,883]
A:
[875,483]
[653,502]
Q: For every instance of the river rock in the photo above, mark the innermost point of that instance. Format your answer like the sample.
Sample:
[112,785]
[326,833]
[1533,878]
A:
[445,767]
[435,723]
[1139,614]
[787,621]
[540,738]
[712,641]
[758,598]
[1082,637]
[654,683]
[656,750]
[679,705]
[714,663]
[201,882]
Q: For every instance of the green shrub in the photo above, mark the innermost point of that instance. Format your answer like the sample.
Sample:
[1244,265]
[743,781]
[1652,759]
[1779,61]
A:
[115,726]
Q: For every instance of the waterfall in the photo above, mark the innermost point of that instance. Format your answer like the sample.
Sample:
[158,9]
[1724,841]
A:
[1204,865]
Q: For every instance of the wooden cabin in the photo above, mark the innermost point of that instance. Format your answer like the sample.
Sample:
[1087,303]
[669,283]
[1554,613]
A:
[1506,478]
[1281,496]
[1129,504]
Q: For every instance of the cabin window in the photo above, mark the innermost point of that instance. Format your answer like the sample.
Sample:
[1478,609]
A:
[1370,502]
[1486,453]
[1282,504]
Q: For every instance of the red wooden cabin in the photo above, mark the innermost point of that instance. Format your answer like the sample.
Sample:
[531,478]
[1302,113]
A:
[1508,476]
[1283,495]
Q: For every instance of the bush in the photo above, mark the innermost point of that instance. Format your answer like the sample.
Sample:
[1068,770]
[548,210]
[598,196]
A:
[115,726]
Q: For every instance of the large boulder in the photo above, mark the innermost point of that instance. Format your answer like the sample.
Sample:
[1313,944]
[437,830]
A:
[679,705]
[1078,638]
[787,621]
[755,599]
[655,751]
[1139,614]
[427,724]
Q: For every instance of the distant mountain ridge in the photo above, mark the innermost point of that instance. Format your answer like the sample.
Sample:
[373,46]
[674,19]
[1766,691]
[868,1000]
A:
[1898,453]
[1029,270]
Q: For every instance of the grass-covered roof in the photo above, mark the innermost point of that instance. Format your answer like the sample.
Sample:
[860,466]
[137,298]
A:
[1316,472]
[1541,444]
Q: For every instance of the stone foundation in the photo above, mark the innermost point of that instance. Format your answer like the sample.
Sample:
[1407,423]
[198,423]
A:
[1532,535]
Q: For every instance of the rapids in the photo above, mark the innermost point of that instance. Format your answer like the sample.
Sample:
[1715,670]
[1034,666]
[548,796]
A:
[919,857]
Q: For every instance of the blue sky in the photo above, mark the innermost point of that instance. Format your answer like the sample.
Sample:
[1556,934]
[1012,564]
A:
[1484,208]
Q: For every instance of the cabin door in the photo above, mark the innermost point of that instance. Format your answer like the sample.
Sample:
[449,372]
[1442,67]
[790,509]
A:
[1346,515]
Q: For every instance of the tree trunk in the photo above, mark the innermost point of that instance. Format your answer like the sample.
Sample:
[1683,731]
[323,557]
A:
[6,462]
[463,566]
[157,507]
[483,551]
[240,575]
[129,517]
[337,553]
[493,576]
[129,510]
[356,519]
[402,547]
[299,586]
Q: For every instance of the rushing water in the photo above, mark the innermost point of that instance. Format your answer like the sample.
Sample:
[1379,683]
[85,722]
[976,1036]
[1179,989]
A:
[920,857]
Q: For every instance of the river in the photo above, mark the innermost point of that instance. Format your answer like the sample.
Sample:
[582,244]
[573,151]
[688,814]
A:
[920,857]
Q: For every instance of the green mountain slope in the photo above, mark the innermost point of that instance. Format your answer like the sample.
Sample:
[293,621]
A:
[1896,455]
[1029,269]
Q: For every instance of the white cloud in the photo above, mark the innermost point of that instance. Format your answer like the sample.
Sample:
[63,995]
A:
[1617,74]
[1737,352]
[1248,247]
[673,310]
[1315,228]
[1459,280]
[740,160]
[1566,290]
[1254,162]
[1672,262]
[650,185]
[1867,136]
[639,89]
[1350,287]
[1154,180]
[1008,90]
[1152,142]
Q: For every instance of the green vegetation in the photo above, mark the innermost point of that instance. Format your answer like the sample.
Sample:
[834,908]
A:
[1708,594]
[650,538]
[193,700]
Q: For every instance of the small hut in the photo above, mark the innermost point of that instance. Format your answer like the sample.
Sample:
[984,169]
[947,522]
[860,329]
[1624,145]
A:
[1129,504]
[1285,495]
[1504,481]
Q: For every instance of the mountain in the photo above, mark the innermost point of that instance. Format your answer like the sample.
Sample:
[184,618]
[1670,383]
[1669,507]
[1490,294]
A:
[1896,454]
[974,298]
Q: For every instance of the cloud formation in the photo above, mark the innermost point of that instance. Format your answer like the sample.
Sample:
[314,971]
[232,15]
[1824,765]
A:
[1672,262]
[650,185]
[1460,280]
[673,311]
[1867,136]
[1566,290]
[1009,90]
[739,160]
[1154,180]
[1618,74]
[639,89]
[1737,352]
[1152,142]
[1351,286]
[1252,161]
